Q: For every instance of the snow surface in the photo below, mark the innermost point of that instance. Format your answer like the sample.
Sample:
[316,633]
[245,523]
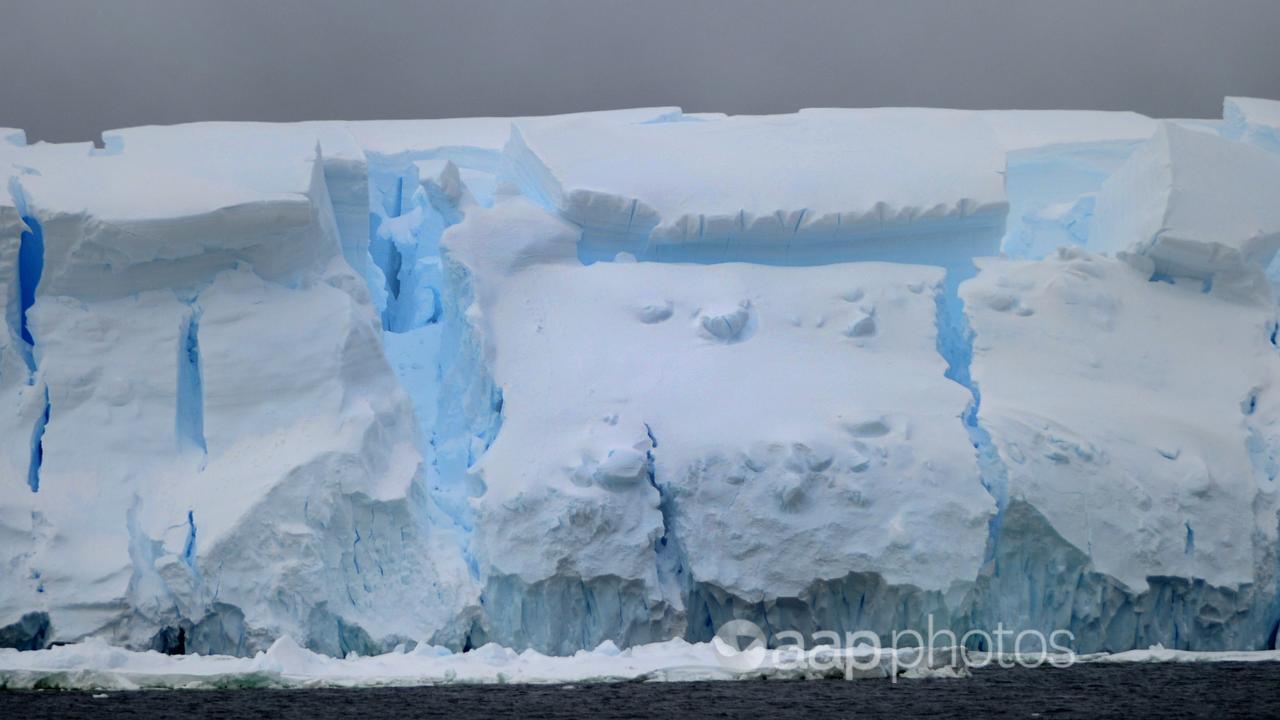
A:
[610,380]
[217,151]
[469,139]
[1168,460]
[774,187]
[1022,130]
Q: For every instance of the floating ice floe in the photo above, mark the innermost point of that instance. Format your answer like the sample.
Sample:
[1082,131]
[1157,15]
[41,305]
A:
[95,665]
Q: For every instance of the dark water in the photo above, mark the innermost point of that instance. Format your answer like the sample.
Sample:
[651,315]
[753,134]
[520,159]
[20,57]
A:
[1089,691]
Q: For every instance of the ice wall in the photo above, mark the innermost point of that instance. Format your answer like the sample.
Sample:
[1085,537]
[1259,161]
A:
[624,376]
[1254,120]
[217,445]
[819,186]
[1140,504]
[696,406]
[1056,162]
[1195,205]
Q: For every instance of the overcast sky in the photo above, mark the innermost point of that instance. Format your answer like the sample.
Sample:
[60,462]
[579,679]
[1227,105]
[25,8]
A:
[72,68]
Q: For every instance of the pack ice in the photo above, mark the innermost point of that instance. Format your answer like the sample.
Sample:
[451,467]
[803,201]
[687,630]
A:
[620,377]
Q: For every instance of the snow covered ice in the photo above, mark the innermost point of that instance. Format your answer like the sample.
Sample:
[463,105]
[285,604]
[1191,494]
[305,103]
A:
[1135,467]
[682,473]
[604,382]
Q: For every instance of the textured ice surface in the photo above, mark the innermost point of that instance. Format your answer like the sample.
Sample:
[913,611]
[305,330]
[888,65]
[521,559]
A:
[213,433]
[1135,440]
[1197,206]
[620,377]
[1055,164]
[1253,119]
[217,150]
[466,140]
[1022,130]
[697,405]
[781,189]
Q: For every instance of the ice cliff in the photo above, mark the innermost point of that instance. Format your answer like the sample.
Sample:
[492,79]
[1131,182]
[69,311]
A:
[623,376]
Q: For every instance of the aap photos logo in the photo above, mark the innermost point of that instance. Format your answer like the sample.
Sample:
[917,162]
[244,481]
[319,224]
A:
[740,645]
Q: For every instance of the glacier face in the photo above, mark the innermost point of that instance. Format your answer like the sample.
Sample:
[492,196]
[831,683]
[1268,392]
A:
[1137,451]
[653,468]
[624,376]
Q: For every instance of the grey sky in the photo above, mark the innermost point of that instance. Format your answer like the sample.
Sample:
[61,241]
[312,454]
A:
[72,68]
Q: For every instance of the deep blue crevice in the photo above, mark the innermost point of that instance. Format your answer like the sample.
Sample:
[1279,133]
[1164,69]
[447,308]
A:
[668,552]
[391,271]
[190,392]
[37,447]
[30,269]
[437,305]
[955,345]
[489,433]
[955,338]
[189,547]
[650,472]
[355,553]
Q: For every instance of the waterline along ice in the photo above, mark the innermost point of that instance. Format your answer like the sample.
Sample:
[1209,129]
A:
[600,381]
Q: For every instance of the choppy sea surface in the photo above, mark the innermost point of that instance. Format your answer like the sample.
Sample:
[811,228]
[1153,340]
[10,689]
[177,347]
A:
[1138,690]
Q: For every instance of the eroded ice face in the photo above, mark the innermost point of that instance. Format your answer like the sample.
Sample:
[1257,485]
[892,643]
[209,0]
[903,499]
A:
[357,384]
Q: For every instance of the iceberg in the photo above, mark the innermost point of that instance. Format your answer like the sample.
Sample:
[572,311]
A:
[535,394]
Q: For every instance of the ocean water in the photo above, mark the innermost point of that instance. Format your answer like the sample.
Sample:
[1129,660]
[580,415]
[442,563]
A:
[1137,690]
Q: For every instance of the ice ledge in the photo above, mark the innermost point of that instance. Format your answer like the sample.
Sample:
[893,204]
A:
[819,176]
